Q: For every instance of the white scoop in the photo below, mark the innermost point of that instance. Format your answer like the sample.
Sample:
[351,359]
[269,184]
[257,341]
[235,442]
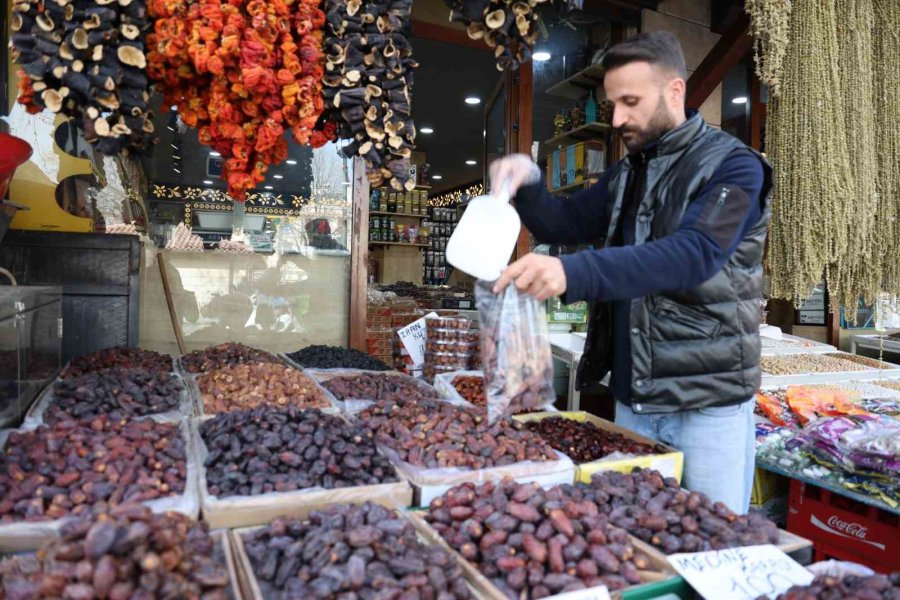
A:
[485,236]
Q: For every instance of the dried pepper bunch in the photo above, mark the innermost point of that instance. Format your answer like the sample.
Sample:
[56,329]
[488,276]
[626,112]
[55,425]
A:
[85,60]
[508,26]
[368,82]
[243,72]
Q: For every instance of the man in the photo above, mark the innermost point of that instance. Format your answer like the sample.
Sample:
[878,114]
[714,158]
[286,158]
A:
[681,226]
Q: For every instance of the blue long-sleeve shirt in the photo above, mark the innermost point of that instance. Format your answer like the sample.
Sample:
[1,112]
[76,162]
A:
[697,250]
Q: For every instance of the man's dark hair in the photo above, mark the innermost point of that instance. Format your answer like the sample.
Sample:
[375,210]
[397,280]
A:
[659,48]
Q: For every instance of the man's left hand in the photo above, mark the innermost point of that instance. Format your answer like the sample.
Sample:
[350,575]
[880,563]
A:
[536,275]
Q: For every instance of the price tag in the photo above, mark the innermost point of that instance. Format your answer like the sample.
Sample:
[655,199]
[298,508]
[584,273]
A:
[740,573]
[413,339]
[595,593]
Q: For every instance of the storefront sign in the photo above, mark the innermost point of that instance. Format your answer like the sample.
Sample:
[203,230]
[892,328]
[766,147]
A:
[413,339]
[812,310]
[740,573]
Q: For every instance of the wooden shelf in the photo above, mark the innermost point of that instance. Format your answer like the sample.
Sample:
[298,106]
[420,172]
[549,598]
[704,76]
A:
[578,85]
[588,131]
[379,213]
[371,243]
[575,186]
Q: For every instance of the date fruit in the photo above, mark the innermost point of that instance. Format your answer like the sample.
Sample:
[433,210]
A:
[267,449]
[335,357]
[534,541]
[582,441]
[435,434]
[76,467]
[855,587]
[378,386]
[224,355]
[250,385]
[102,558]
[125,358]
[116,392]
[471,388]
[351,551]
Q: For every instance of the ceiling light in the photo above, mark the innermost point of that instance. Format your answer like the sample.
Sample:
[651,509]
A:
[471,162]
[208,181]
[278,176]
[173,107]
[176,157]
[436,177]
[291,162]
[214,153]
[473,100]
[176,170]
[426,130]
[541,56]
[174,146]
[739,100]
[268,187]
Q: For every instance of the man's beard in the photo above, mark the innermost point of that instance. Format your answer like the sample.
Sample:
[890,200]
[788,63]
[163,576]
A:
[660,123]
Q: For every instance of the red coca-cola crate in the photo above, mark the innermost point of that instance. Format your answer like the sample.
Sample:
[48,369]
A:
[845,529]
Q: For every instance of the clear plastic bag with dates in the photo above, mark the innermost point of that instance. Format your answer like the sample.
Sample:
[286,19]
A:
[515,351]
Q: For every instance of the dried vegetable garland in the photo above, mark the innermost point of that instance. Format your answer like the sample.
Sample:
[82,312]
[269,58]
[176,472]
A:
[368,83]
[243,72]
[769,26]
[86,60]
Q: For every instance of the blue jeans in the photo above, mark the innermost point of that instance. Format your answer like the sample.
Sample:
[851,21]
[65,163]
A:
[719,446]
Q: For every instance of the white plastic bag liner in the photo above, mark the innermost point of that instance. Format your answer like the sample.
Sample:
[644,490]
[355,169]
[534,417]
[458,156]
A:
[323,375]
[839,568]
[27,536]
[243,511]
[35,415]
[485,236]
[443,383]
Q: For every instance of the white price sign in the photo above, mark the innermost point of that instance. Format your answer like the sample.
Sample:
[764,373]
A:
[413,339]
[740,573]
[595,593]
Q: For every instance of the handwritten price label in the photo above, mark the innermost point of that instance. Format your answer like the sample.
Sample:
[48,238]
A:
[413,339]
[595,593]
[740,573]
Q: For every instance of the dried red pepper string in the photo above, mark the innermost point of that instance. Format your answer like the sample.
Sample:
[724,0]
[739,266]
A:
[243,72]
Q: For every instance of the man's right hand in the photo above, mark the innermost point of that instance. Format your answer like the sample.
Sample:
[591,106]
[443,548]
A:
[515,170]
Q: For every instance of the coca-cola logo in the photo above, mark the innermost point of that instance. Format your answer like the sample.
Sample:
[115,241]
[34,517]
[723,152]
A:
[854,529]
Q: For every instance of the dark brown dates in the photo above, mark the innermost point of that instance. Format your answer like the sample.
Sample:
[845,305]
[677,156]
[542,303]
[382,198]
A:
[378,386]
[351,551]
[280,450]
[116,392]
[849,587]
[582,441]
[123,554]
[435,434]
[250,385]
[532,542]
[125,358]
[224,355]
[76,467]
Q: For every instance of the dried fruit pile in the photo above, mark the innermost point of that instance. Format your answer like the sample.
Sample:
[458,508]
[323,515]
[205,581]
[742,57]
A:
[128,552]
[351,551]
[851,587]
[378,386]
[118,393]
[74,467]
[582,441]
[864,361]
[249,385]
[799,364]
[281,450]
[243,73]
[335,357]
[658,511]
[434,434]
[223,355]
[533,543]
[128,358]
[86,61]
[368,83]
[471,388]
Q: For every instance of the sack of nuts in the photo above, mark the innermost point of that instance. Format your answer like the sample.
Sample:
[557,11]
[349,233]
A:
[515,351]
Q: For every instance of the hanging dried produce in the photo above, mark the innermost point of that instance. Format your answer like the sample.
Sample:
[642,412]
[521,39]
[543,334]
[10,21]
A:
[243,73]
[509,27]
[85,60]
[368,85]
[769,26]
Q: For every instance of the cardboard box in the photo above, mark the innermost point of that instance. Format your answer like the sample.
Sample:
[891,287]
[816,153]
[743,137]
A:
[591,160]
[556,169]
[766,485]
[670,463]
[571,162]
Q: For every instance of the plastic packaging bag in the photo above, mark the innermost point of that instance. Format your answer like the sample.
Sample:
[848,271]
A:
[515,351]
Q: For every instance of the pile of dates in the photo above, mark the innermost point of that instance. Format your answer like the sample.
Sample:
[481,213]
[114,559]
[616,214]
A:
[224,355]
[435,434]
[125,358]
[335,357]
[116,392]
[128,553]
[582,441]
[471,388]
[658,511]
[850,587]
[533,543]
[281,450]
[378,386]
[250,385]
[75,467]
[351,551]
